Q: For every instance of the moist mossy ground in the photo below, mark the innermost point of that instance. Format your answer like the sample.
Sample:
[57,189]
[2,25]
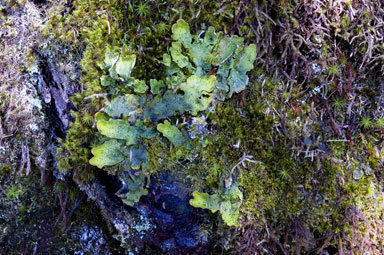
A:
[30,218]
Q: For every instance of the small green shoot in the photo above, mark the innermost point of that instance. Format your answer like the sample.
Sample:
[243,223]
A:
[366,122]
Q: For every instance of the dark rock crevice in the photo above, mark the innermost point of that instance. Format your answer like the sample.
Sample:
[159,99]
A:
[55,90]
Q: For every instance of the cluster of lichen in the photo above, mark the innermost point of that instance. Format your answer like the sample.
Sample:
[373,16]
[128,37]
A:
[133,112]
[95,27]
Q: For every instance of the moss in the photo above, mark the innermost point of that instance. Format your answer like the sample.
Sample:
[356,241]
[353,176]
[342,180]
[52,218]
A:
[30,216]
[5,169]
[278,188]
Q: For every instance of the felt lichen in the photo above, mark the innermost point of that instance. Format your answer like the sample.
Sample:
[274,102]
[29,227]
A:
[174,135]
[107,154]
[198,92]
[126,105]
[182,91]
[132,189]
[228,203]
[227,55]
[119,129]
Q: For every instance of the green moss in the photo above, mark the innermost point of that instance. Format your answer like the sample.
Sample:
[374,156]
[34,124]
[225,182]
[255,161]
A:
[277,187]
[142,9]
[366,122]
[14,192]
[5,169]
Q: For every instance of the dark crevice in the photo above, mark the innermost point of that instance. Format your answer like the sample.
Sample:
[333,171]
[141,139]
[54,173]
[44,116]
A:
[55,91]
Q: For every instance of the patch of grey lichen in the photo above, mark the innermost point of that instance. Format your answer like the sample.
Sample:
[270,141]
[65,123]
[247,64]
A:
[22,119]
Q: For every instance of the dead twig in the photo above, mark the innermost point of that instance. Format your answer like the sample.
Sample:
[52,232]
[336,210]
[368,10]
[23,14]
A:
[63,205]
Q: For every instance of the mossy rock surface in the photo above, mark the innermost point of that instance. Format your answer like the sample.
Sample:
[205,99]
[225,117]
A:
[298,132]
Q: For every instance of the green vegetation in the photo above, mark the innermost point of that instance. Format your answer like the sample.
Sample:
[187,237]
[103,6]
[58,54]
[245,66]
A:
[107,154]
[141,112]
[296,142]
[174,135]
[227,203]
[132,190]
[366,122]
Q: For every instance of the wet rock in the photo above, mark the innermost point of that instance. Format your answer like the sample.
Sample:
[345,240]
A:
[178,227]
[131,226]
[162,221]
[92,241]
